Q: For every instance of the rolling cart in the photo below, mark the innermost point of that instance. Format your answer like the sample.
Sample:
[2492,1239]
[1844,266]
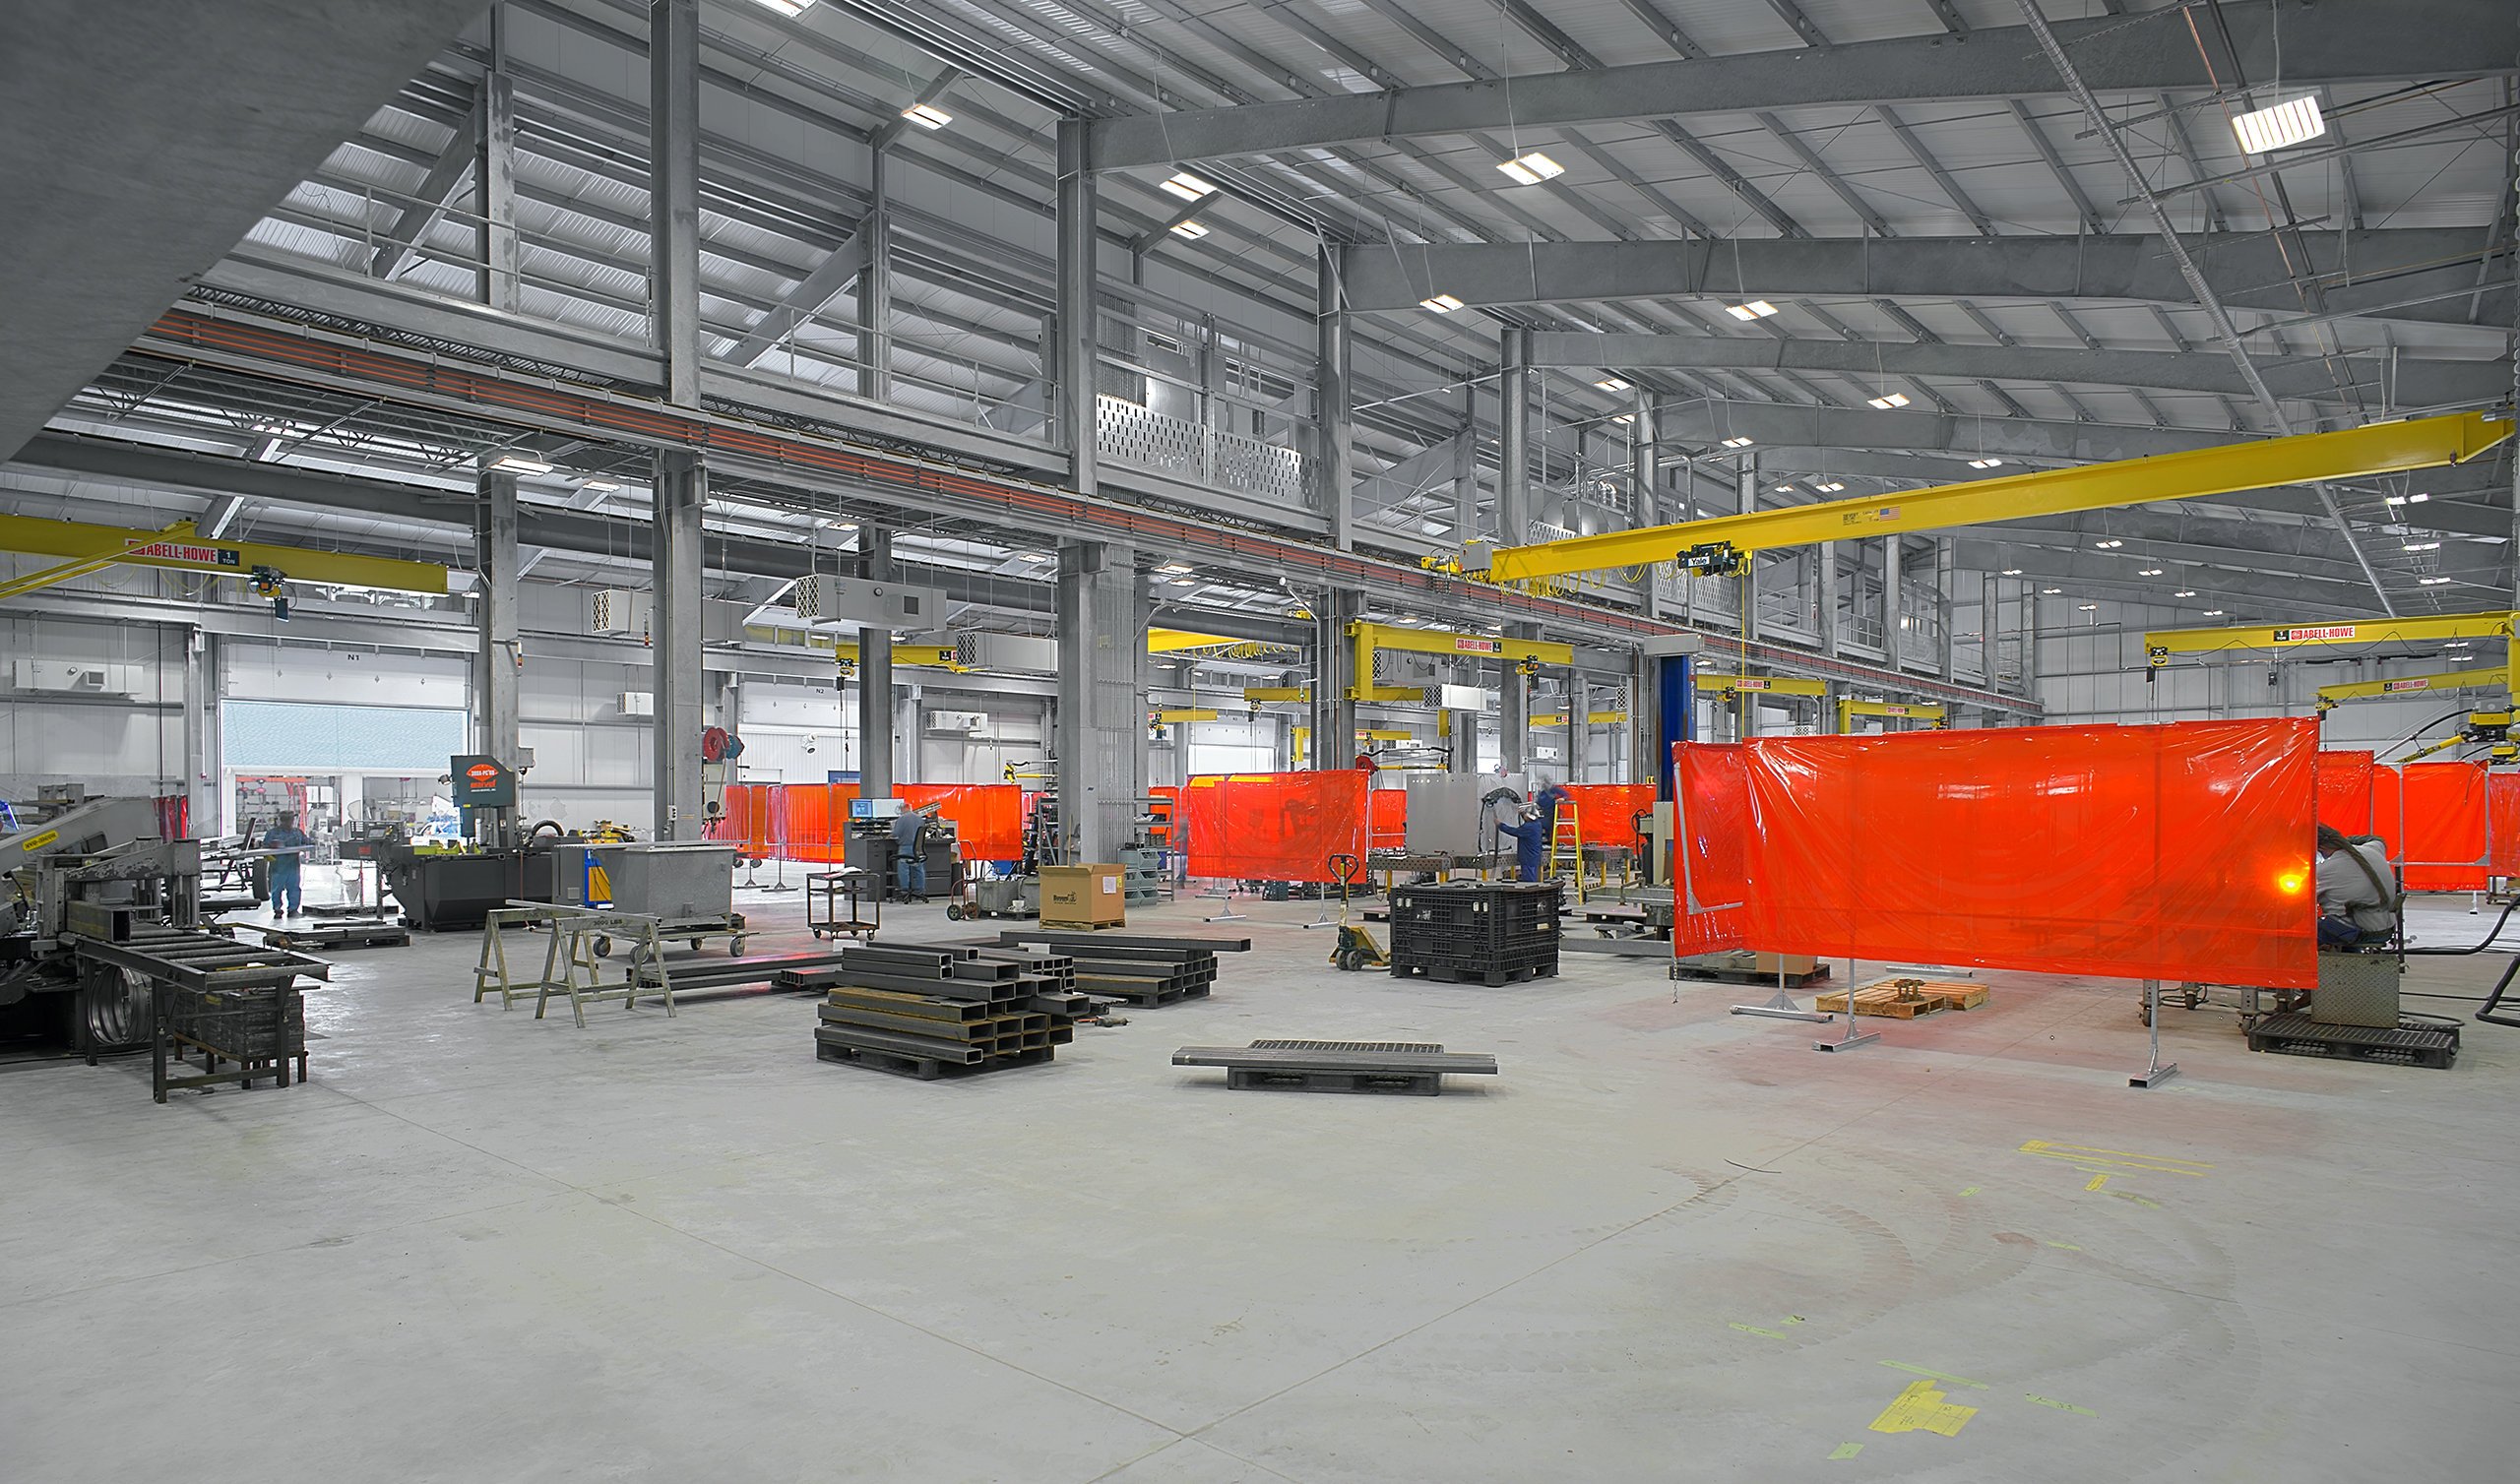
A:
[825,891]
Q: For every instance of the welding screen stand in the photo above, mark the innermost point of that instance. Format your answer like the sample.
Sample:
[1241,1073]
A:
[1851,1039]
[2156,1074]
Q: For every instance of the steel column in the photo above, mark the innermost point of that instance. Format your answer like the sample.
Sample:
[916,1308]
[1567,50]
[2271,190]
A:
[501,657]
[875,675]
[876,285]
[681,489]
[1514,478]
[1074,362]
[1891,576]
[1514,707]
[1330,373]
[673,220]
[1100,712]
[1643,469]
[494,176]
[1335,673]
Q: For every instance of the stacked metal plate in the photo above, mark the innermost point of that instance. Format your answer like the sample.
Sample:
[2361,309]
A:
[928,1012]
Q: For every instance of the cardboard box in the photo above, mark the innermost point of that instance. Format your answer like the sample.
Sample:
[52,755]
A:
[1082,897]
[1784,963]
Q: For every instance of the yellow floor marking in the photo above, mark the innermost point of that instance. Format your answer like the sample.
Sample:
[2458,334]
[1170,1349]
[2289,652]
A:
[2097,1182]
[1962,1380]
[1755,1330]
[2068,1246]
[1846,1450]
[1920,1408]
[1795,1319]
[1971,1191]
[2138,1200]
[2087,1158]
[2063,1406]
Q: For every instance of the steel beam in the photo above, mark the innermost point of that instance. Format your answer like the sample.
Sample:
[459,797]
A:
[1775,423]
[2406,382]
[2414,40]
[1331,410]
[2362,268]
[1073,361]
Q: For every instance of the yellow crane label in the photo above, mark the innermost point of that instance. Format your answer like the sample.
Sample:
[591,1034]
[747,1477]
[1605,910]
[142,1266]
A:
[2423,684]
[2307,636]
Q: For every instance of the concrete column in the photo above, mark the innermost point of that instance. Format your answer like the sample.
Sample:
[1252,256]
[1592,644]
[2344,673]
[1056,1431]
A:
[1102,715]
[1514,707]
[1330,373]
[681,489]
[502,659]
[1334,674]
[494,176]
[876,285]
[1071,365]
[673,175]
[1942,577]
[1514,419]
[1642,452]
[874,675]
[1890,580]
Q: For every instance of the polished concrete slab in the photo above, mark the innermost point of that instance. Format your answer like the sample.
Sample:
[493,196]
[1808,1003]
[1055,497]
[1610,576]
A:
[1666,1243]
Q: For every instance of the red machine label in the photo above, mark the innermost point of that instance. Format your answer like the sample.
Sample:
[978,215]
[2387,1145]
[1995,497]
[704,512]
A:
[2302,635]
[176,551]
[483,774]
[1477,646]
[2406,685]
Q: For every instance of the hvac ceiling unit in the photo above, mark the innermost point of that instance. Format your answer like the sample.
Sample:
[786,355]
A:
[638,702]
[631,615]
[1006,651]
[66,678]
[958,724]
[827,597]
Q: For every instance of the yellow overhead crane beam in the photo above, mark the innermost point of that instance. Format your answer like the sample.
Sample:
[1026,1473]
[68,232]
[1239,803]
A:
[1848,708]
[2492,727]
[1717,545]
[934,656]
[1366,638]
[1189,713]
[1558,718]
[178,548]
[1255,693]
[1728,686]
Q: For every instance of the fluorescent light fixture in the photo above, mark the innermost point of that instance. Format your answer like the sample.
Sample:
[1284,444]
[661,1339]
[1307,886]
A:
[1442,303]
[1188,187]
[1888,400]
[1736,442]
[2287,123]
[1623,418]
[2416,499]
[1986,463]
[2108,545]
[1531,168]
[1611,383]
[600,486]
[2456,643]
[520,466]
[1756,309]
[1785,489]
[2431,581]
[2424,547]
[2213,613]
[2190,593]
[927,115]
[785,7]
[2010,572]
[1174,566]
[2091,608]
[2052,591]
[1830,489]
[1189,230]
[843,526]
[1186,582]
[2150,571]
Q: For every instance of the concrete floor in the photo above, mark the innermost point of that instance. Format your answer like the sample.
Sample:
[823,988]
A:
[1666,1243]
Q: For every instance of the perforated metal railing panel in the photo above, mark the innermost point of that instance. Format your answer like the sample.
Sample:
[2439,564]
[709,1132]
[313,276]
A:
[1343,1046]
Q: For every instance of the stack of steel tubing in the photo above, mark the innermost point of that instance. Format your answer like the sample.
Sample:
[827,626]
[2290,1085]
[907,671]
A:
[929,1011]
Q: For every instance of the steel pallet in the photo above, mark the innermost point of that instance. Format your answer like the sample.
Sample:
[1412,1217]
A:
[1403,1068]
[1447,974]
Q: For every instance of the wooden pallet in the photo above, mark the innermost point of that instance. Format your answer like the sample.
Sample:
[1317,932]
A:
[1884,997]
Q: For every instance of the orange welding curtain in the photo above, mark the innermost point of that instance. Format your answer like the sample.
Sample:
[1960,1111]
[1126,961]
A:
[2142,852]
[1390,822]
[1607,812]
[1273,826]
[2502,824]
[748,818]
[2434,818]
[2345,791]
[988,818]
[1710,870]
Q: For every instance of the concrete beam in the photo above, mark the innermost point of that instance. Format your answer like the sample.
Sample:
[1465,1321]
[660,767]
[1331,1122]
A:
[2411,40]
[2388,267]
[144,141]
[2403,381]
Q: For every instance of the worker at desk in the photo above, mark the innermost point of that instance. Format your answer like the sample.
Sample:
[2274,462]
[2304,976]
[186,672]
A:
[2356,891]
[288,895]
[910,858]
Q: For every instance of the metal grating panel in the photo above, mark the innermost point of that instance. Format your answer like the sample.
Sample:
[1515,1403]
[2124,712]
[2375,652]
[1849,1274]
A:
[1344,1046]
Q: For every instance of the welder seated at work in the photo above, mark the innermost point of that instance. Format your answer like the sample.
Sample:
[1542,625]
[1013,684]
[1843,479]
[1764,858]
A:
[2357,893]
[1531,838]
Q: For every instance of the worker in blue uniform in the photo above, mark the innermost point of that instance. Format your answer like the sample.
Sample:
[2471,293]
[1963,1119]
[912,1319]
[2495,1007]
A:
[1531,838]
[910,837]
[288,898]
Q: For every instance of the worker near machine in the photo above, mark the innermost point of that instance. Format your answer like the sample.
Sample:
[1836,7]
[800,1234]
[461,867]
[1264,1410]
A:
[910,859]
[1531,838]
[2355,890]
[288,898]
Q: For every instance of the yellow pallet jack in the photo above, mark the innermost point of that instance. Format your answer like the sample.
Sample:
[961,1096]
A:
[1355,949]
